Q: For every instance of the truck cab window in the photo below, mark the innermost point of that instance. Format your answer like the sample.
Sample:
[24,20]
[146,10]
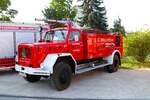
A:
[56,35]
[74,36]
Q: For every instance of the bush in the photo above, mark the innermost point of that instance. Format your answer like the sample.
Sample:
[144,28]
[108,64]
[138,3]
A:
[137,45]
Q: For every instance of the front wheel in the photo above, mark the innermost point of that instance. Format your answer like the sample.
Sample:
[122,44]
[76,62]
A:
[32,78]
[115,66]
[61,76]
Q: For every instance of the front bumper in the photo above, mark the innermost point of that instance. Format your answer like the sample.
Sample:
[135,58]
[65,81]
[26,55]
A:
[32,71]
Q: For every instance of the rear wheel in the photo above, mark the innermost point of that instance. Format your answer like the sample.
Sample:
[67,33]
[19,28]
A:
[61,76]
[115,66]
[32,78]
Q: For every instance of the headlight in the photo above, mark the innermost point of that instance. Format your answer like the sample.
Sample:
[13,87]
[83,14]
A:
[25,53]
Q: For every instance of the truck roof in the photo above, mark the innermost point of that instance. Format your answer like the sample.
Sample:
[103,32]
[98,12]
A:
[12,26]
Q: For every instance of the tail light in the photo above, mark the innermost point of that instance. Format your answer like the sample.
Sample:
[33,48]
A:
[25,53]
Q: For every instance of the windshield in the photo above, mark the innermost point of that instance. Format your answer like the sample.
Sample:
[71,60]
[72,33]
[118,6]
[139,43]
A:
[56,35]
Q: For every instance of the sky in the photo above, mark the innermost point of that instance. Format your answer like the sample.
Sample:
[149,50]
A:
[134,13]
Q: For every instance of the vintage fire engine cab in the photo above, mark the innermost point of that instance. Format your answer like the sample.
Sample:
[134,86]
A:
[68,50]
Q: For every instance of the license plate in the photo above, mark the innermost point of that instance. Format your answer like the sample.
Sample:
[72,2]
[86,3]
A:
[22,74]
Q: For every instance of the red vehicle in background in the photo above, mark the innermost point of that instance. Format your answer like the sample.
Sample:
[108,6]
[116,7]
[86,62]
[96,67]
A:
[68,50]
[11,35]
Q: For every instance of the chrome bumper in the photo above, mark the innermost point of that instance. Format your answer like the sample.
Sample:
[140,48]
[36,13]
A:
[32,71]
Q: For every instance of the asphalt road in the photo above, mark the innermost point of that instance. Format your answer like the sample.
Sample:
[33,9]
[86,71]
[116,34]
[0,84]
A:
[97,84]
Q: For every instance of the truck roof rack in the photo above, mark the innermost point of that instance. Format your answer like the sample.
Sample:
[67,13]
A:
[53,23]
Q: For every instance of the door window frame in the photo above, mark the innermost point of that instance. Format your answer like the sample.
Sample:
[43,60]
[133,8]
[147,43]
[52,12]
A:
[79,36]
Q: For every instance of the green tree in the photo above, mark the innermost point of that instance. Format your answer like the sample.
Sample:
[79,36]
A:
[137,45]
[59,9]
[117,27]
[94,14]
[4,4]
[6,14]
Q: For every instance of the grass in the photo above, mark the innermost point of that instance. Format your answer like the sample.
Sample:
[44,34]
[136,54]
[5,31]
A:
[131,63]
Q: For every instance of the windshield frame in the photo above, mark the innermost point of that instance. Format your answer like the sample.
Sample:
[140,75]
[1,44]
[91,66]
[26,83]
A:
[66,36]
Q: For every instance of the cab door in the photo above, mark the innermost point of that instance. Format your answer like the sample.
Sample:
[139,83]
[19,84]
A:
[75,44]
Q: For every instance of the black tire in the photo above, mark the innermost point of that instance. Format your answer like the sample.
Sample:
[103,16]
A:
[32,78]
[62,75]
[115,66]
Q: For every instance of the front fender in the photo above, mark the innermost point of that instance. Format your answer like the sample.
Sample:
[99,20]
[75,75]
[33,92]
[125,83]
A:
[50,61]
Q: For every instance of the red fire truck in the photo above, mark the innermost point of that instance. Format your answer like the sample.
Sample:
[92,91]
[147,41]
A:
[69,50]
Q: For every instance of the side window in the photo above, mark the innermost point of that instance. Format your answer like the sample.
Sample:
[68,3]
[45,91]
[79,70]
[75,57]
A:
[48,36]
[74,36]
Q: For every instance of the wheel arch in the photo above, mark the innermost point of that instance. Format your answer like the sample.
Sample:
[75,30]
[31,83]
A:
[69,60]
[51,60]
[110,58]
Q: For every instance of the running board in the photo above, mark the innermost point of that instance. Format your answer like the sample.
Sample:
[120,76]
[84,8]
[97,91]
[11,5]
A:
[88,67]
